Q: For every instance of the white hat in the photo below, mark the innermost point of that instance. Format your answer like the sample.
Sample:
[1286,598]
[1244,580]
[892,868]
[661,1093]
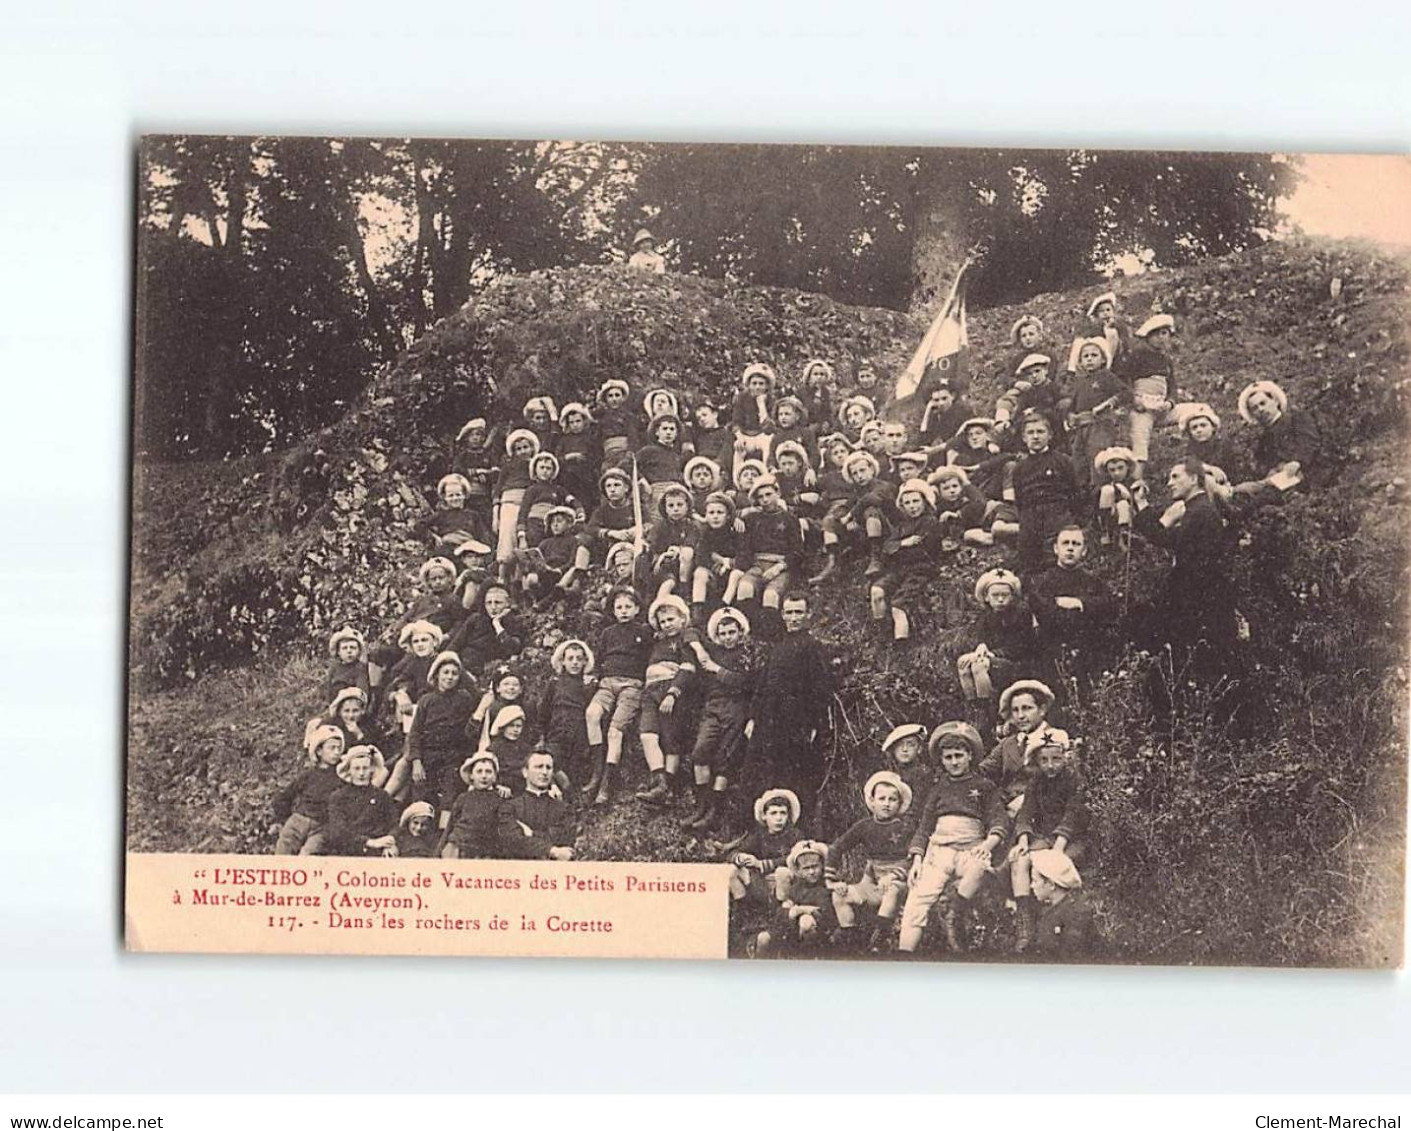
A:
[892,778]
[478,756]
[806,848]
[865,402]
[917,487]
[317,736]
[1190,411]
[472,546]
[857,459]
[768,479]
[788,796]
[470,426]
[544,403]
[575,406]
[1056,867]
[544,457]
[906,730]
[1105,456]
[758,367]
[791,446]
[1032,360]
[985,422]
[344,695]
[674,411]
[612,383]
[1099,343]
[436,563]
[1106,296]
[441,660]
[618,550]
[521,434]
[556,660]
[813,363]
[1037,688]
[417,809]
[702,461]
[997,576]
[668,601]
[756,464]
[1156,322]
[1268,388]
[720,616]
[347,632]
[447,480]
[506,715]
[561,509]
[950,471]
[1022,321]
[955,728]
[642,236]
[425,627]
[369,751]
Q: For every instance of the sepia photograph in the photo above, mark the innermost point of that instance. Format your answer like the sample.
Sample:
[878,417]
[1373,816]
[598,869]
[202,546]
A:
[768,551]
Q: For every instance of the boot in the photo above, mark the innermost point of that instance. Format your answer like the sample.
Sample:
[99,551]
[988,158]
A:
[829,568]
[881,937]
[874,565]
[608,785]
[697,819]
[598,755]
[1028,915]
[954,925]
[657,793]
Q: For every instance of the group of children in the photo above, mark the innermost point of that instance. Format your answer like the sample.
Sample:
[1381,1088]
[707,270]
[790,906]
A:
[670,544]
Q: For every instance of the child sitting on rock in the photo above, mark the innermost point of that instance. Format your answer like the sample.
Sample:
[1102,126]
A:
[579,452]
[1199,426]
[911,553]
[660,462]
[961,824]
[541,417]
[613,521]
[622,649]
[416,834]
[1107,324]
[882,838]
[942,419]
[791,426]
[752,413]
[348,665]
[720,744]
[547,570]
[872,506]
[477,459]
[1005,644]
[1052,816]
[670,672]
[438,735]
[504,688]
[452,522]
[816,391]
[1025,705]
[361,817]
[703,477]
[671,545]
[521,446]
[771,551]
[764,852]
[714,576]
[406,682]
[804,918]
[1149,367]
[1100,397]
[542,495]
[301,808]
[1114,469]
[560,714]
[1026,338]
[615,420]
[903,750]
[472,826]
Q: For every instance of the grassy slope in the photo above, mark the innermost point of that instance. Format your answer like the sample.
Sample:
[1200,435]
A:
[206,755]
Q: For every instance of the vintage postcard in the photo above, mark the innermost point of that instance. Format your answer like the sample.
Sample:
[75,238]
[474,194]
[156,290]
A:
[702,551]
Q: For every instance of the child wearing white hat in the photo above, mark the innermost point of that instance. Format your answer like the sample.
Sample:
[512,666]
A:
[476,456]
[416,834]
[616,420]
[1052,816]
[881,838]
[1115,470]
[720,745]
[521,446]
[472,826]
[752,412]
[1149,365]
[670,673]
[301,807]
[912,553]
[452,522]
[805,915]
[1004,642]
[765,849]
[645,256]
[1065,924]
[347,663]
[560,713]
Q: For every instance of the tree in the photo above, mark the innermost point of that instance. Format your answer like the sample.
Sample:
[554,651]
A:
[889,226]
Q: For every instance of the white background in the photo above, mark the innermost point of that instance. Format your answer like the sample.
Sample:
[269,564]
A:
[79,81]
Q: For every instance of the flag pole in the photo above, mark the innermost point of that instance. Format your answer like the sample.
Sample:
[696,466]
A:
[639,540]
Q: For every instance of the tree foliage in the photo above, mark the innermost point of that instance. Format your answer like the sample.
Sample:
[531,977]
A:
[275,275]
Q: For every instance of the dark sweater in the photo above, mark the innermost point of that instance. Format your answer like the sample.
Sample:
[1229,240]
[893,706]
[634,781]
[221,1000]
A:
[441,724]
[967,796]
[770,849]
[776,533]
[474,824]
[357,814]
[308,794]
[622,650]
[1046,479]
[880,842]
[1077,627]
[1053,806]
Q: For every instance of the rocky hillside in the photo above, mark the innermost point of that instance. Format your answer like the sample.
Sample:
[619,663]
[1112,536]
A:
[239,569]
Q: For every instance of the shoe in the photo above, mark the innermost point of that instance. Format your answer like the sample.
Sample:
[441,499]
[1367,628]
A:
[874,565]
[657,793]
[829,568]
[608,786]
[954,929]
[590,787]
[880,940]
[697,819]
